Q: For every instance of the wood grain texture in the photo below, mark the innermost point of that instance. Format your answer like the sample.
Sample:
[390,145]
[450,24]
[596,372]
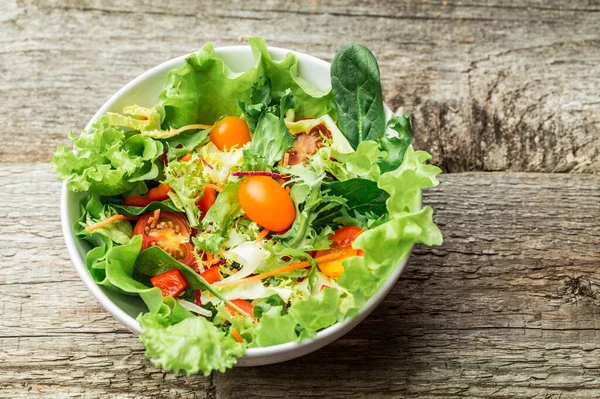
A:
[507,307]
[511,85]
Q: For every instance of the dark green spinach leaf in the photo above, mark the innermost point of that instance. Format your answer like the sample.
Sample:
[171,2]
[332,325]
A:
[357,93]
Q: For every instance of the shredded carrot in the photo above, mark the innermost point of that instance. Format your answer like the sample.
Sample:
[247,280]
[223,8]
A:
[186,158]
[262,234]
[287,189]
[219,189]
[286,159]
[209,256]
[190,127]
[109,220]
[344,253]
[236,335]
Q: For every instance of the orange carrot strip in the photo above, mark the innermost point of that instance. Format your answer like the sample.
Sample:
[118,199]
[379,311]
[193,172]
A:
[209,256]
[236,335]
[262,234]
[186,158]
[286,159]
[109,220]
[219,189]
[344,253]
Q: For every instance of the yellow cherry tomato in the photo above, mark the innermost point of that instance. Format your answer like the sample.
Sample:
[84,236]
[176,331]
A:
[333,268]
[230,132]
[267,203]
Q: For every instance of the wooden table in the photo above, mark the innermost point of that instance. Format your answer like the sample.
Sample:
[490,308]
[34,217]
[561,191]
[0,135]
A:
[504,94]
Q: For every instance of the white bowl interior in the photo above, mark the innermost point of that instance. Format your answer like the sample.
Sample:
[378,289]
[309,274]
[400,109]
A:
[144,91]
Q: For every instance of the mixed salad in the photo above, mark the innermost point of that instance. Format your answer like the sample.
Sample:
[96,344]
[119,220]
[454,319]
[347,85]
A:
[249,210]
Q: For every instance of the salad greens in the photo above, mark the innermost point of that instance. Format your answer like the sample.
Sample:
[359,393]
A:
[249,209]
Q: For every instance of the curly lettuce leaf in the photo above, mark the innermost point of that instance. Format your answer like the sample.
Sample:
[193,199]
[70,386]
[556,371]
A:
[192,345]
[205,88]
[388,243]
[145,120]
[108,161]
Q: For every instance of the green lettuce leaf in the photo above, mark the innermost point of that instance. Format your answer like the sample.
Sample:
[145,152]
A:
[194,344]
[205,89]
[107,161]
[270,139]
[405,183]
[396,146]
[93,212]
[275,328]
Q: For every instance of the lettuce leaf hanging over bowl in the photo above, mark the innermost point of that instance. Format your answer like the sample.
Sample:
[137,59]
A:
[205,88]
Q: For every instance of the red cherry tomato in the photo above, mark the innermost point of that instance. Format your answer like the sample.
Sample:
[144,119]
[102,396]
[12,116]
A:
[170,232]
[267,203]
[230,132]
[171,283]
[242,304]
[208,199]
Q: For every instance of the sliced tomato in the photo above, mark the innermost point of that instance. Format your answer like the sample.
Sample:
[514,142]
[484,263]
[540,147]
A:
[304,145]
[211,275]
[171,232]
[136,200]
[208,199]
[242,304]
[159,193]
[171,283]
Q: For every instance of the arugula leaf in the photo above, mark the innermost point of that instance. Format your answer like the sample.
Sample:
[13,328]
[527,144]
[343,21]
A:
[166,205]
[357,93]
[360,195]
[396,146]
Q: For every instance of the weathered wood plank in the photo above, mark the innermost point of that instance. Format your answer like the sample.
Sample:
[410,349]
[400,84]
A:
[508,306]
[492,86]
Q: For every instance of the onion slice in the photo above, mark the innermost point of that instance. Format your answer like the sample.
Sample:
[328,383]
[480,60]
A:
[192,307]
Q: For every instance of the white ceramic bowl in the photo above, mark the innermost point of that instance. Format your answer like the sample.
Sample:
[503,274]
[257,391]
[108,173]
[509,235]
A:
[144,91]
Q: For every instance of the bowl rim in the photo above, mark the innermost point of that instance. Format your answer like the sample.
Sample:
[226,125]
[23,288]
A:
[130,322]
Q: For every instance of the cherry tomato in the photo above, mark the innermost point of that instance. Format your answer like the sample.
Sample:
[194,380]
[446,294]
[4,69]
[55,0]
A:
[170,232]
[208,199]
[342,239]
[267,203]
[171,283]
[230,132]
[242,304]
[211,275]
